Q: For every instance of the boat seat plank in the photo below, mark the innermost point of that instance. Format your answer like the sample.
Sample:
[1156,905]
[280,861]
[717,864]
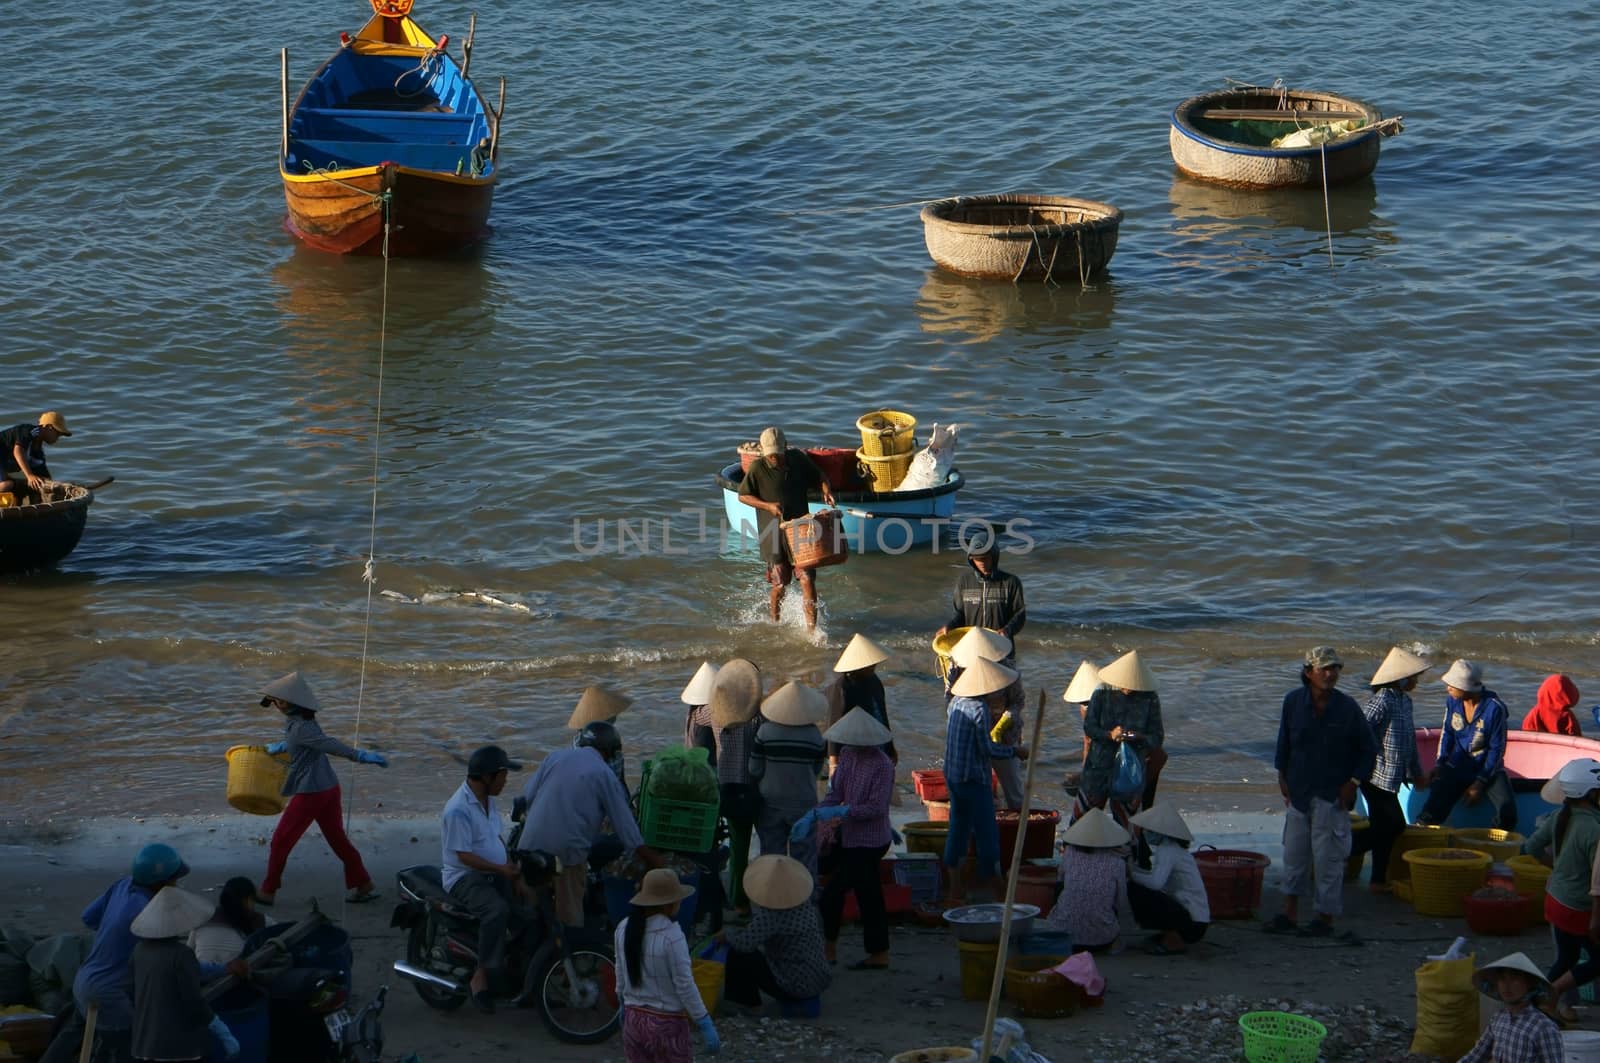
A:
[1269,114]
[393,127]
[441,158]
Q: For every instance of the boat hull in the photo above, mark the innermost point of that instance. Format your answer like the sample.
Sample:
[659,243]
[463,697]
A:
[429,213]
[1204,151]
[1532,758]
[34,537]
[899,521]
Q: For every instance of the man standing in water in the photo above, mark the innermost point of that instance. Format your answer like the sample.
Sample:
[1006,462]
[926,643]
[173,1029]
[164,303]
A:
[1325,751]
[986,596]
[776,486]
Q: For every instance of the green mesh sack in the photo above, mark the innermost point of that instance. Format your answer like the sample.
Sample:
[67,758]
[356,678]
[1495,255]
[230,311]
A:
[683,775]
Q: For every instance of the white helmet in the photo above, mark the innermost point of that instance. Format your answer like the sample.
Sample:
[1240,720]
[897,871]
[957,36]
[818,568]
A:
[1576,778]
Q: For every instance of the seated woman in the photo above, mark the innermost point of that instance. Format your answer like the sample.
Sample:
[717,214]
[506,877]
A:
[1169,896]
[1094,883]
[1552,709]
[780,952]
[222,939]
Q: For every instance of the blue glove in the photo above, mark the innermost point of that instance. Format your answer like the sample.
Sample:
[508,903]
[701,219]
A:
[898,840]
[278,747]
[708,1032]
[224,1036]
[832,812]
[364,757]
[803,827]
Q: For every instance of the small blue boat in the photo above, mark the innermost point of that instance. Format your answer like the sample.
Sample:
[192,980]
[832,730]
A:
[890,522]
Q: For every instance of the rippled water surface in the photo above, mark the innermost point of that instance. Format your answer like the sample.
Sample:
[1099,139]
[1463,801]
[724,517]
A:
[1229,449]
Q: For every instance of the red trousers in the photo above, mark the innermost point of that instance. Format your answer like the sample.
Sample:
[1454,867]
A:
[324,810]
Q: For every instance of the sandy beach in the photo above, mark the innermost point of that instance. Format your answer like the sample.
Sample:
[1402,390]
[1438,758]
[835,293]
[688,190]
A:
[1180,1007]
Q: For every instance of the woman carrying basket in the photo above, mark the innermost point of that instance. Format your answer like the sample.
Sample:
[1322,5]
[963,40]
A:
[312,789]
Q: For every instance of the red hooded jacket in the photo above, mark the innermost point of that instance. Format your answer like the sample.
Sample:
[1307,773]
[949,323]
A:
[1552,712]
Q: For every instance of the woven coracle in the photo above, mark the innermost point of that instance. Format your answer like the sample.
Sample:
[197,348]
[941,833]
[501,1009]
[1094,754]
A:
[1022,237]
[1217,151]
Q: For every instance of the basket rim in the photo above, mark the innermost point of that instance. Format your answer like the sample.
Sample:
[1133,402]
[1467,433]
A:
[1426,858]
[1245,1026]
[1106,216]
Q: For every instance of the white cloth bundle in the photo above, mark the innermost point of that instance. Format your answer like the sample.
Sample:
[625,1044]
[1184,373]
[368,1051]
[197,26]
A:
[931,466]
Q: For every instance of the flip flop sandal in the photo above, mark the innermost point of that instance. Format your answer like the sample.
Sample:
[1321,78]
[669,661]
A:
[1281,924]
[358,897]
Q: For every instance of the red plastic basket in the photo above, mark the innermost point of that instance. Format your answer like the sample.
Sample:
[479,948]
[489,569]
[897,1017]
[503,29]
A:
[930,784]
[1497,916]
[1233,880]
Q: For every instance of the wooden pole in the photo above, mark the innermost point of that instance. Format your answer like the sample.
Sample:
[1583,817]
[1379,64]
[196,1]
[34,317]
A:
[283,83]
[466,47]
[277,946]
[90,1021]
[1011,887]
[494,134]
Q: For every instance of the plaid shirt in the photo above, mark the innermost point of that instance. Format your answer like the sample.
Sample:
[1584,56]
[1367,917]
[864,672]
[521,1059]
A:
[1526,1035]
[967,746]
[733,751]
[1389,713]
[864,782]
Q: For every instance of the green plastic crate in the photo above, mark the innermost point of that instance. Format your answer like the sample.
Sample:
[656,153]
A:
[683,826]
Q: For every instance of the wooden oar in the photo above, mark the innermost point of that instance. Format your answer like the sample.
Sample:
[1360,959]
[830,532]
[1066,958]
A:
[100,483]
[1268,114]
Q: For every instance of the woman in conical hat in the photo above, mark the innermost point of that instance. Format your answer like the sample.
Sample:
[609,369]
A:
[735,699]
[1166,893]
[859,795]
[1094,878]
[1569,841]
[857,686]
[312,789]
[780,951]
[785,760]
[1389,712]
[1085,681]
[697,732]
[1521,1033]
[171,1019]
[1124,710]
[969,751]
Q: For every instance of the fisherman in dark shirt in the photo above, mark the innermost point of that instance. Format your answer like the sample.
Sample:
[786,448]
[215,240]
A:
[986,596]
[777,486]
[22,466]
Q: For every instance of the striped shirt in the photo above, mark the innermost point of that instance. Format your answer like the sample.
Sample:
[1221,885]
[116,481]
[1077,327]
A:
[1389,713]
[786,761]
[864,782]
[666,980]
[1520,1035]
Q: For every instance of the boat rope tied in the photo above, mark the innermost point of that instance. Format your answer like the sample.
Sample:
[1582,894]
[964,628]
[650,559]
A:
[369,573]
[328,172]
[1327,213]
[430,66]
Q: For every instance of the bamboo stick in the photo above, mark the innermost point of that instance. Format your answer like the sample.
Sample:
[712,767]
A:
[1011,887]
[494,134]
[466,47]
[283,84]
[90,1021]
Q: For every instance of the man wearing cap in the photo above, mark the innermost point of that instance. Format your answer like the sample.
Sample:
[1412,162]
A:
[1471,761]
[777,486]
[1325,751]
[570,799]
[968,752]
[22,465]
[985,595]
[476,870]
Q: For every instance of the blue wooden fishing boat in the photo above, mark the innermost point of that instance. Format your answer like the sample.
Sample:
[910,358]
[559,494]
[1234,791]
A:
[1532,759]
[887,521]
[390,124]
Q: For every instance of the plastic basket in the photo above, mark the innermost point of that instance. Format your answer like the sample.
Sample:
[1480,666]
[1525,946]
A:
[930,784]
[1501,845]
[885,432]
[1232,879]
[920,876]
[1038,992]
[255,780]
[1498,916]
[1415,836]
[885,473]
[683,826]
[1530,876]
[709,977]
[1281,1037]
[925,837]
[1442,878]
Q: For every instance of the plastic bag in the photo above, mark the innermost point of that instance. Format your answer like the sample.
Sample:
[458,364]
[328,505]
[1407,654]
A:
[931,466]
[1447,1009]
[1127,776]
[683,775]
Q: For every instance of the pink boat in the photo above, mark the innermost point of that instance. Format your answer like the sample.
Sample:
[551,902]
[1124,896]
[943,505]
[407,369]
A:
[1532,757]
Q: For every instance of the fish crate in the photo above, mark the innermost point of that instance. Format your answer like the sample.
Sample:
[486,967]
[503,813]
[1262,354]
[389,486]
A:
[922,876]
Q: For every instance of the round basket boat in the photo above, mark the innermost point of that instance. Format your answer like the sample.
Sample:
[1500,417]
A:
[38,535]
[1227,137]
[1022,237]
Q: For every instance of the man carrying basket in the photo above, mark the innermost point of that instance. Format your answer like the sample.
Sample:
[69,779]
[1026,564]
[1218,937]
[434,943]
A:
[777,486]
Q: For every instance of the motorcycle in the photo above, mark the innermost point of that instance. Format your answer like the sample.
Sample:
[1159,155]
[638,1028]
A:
[567,973]
[359,1035]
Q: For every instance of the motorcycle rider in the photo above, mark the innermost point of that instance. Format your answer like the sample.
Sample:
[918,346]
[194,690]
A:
[570,799]
[476,870]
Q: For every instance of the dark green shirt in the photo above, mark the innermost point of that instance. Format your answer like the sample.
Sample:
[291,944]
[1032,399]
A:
[789,488]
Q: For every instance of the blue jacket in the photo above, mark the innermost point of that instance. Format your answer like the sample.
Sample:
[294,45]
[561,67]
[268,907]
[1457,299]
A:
[1319,754]
[1479,746]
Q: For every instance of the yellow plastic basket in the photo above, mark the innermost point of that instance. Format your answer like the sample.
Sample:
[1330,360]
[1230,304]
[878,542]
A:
[255,779]
[885,432]
[1501,845]
[1531,877]
[885,473]
[709,978]
[1441,878]
[1415,836]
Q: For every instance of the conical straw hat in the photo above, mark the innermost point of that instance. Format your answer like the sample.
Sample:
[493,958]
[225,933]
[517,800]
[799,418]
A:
[980,643]
[858,728]
[735,693]
[984,677]
[1164,819]
[1095,829]
[777,882]
[698,692]
[1128,673]
[172,913]
[1398,665]
[796,705]
[1517,961]
[1084,683]
[861,653]
[597,703]
[291,688]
